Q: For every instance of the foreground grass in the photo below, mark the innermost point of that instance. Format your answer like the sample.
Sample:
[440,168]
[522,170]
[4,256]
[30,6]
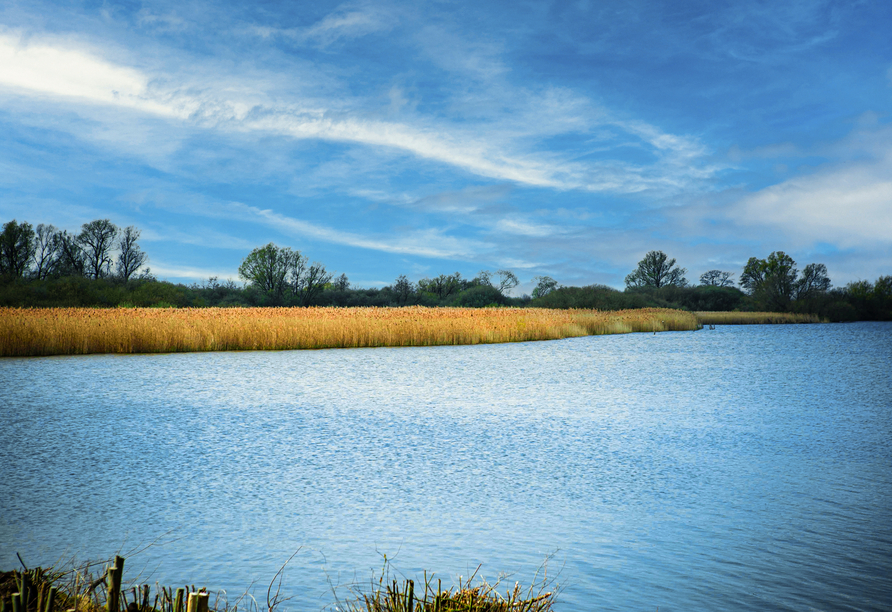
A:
[99,587]
[755,318]
[80,331]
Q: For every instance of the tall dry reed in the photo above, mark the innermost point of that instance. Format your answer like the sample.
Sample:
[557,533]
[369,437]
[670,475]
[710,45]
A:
[80,331]
[755,318]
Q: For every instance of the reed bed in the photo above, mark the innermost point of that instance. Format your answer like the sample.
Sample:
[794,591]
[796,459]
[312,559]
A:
[81,331]
[755,318]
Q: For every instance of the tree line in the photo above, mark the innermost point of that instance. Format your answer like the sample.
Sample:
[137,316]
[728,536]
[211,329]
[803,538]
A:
[103,265]
[773,284]
[100,250]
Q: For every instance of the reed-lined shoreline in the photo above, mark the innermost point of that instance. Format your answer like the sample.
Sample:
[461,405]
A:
[82,331]
[755,318]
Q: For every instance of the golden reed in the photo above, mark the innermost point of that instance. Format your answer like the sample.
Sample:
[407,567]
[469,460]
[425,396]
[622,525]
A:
[755,318]
[81,331]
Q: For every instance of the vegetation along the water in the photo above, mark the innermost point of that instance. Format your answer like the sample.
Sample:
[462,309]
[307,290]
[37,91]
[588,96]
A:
[100,587]
[103,265]
[72,331]
[756,318]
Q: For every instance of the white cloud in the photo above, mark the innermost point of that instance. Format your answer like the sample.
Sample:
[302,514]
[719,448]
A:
[424,243]
[163,270]
[346,23]
[65,72]
[501,149]
[848,206]
[520,227]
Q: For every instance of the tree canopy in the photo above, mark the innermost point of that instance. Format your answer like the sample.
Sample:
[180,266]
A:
[775,282]
[657,270]
[17,244]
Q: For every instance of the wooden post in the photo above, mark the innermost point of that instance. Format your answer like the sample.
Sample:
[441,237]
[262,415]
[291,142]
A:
[198,602]
[24,592]
[51,599]
[178,602]
[410,596]
[113,583]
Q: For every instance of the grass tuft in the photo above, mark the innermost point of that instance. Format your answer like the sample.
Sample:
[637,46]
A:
[85,588]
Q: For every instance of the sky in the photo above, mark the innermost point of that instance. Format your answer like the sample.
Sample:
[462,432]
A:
[561,139]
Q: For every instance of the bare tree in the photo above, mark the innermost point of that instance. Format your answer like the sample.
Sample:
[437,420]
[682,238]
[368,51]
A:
[404,290]
[309,281]
[69,256]
[507,281]
[130,258]
[544,286]
[717,278]
[484,277]
[46,250]
[97,238]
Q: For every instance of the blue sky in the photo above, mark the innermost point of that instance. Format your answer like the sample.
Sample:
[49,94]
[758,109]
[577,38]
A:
[552,138]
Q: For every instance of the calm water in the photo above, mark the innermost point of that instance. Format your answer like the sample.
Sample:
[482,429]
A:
[745,468]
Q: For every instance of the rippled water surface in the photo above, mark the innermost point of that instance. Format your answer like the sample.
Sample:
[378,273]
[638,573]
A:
[745,468]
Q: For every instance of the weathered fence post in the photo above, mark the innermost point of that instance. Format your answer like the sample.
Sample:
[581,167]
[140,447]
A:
[178,602]
[51,599]
[113,582]
[198,602]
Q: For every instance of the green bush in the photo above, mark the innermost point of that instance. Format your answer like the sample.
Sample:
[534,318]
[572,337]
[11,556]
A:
[479,296]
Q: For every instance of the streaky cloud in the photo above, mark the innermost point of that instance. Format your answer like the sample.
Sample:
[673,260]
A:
[48,68]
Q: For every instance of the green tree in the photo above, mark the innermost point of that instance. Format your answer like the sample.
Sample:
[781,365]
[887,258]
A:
[775,282]
[813,282]
[442,286]
[479,296]
[771,281]
[97,239]
[16,248]
[657,270]
[341,283]
[269,269]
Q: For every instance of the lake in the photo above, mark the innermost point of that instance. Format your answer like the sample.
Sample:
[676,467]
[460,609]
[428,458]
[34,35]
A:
[741,468]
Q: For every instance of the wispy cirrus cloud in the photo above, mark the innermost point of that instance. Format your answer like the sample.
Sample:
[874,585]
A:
[348,22]
[50,68]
